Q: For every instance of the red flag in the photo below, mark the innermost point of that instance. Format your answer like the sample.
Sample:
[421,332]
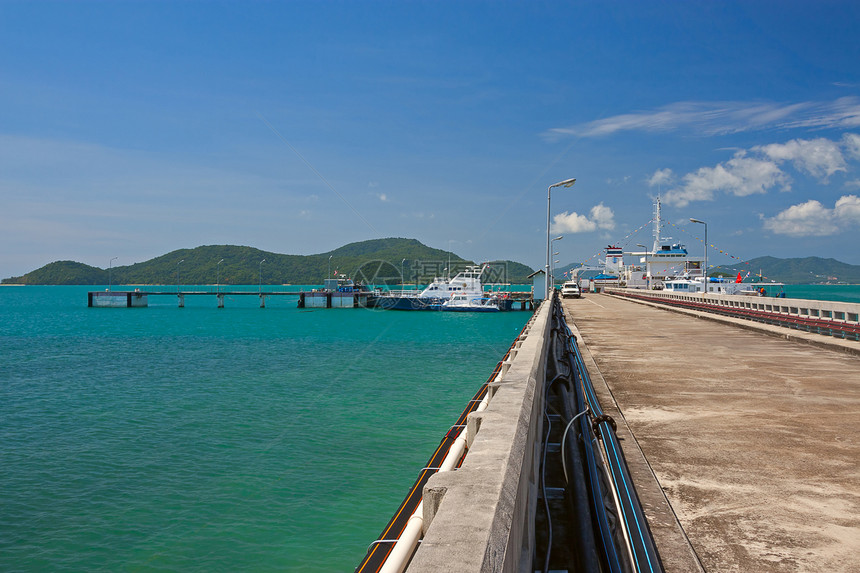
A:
[739,279]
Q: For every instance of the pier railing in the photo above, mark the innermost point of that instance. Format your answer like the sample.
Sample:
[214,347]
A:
[215,289]
[829,318]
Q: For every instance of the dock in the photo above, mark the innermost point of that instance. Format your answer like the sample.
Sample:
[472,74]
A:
[316,298]
[139,297]
[740,443]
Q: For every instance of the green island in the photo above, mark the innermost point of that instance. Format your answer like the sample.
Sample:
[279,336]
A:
[386,260]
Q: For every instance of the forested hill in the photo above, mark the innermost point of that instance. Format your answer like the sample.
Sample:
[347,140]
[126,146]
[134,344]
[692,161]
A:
[377,260]
[808,270]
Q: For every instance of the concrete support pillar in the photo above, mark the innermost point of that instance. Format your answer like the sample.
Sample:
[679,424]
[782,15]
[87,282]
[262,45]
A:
[220,300]
[262,301]
[181,301]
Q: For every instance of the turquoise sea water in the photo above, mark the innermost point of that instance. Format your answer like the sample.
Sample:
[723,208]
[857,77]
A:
[239,439]
[839,293]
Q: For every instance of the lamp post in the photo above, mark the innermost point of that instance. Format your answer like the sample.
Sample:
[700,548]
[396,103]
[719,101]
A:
[647,270]
[328,274]
[218,276]
[705,270]
[178,282]
[261,275]
[565,183]
[401,274]
[110,269]
[553,254]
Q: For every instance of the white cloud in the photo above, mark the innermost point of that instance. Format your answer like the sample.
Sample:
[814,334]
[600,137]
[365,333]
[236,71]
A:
[760,169]
[740,176]
[814,219]
[847,209]
[600,217]
[718,118]
[603,216]
[660,177]
[572,223]
[611,181]
[842,113]
[820,157]
[807,219]
[851,141]
[382,197]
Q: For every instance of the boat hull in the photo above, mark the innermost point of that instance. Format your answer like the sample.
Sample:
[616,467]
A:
[469,309]
[425,303]
[406,303]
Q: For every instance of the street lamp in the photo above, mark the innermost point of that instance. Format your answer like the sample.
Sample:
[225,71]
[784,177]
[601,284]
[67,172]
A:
[328,275]
[552,267]
[705,270]
[178,282]
[218,276]
[565,183]
[401,274]
[110,269]
[647,270]
[261,275]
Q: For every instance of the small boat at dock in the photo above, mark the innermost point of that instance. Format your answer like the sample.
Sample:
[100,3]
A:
[465,303]
[466,283]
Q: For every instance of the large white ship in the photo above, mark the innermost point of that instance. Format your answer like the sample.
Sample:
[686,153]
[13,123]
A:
[668,266]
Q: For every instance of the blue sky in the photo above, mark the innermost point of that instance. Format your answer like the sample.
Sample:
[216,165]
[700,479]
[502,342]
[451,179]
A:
[130,129]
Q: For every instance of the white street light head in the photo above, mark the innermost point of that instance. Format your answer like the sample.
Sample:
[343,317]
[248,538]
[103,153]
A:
[565,183]
[696,221]
[548,269]
[560,237]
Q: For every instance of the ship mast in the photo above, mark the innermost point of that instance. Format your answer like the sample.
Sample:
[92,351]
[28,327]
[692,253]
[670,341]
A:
[658,225]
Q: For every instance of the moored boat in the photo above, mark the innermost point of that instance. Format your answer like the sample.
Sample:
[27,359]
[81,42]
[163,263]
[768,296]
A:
[467,282]
[466,303]
[719,285]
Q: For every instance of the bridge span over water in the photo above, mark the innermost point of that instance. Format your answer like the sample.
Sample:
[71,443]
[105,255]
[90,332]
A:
[740,439]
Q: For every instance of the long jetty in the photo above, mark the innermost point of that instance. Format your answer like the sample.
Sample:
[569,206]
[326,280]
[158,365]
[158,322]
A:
[139,297]
[737,431]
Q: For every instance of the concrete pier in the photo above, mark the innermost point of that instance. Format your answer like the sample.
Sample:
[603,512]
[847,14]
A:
[753,437]
[742,441]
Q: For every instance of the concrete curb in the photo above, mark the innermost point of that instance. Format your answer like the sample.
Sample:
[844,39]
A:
[481,517]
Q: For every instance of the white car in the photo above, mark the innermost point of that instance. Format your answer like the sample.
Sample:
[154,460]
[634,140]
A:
[570,289]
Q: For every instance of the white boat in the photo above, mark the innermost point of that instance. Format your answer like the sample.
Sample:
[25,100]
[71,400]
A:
[469,303]
[467,282]
[718,285]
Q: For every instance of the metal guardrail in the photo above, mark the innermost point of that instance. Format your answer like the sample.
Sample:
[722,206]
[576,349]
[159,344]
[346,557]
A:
[839,320]
[621,533]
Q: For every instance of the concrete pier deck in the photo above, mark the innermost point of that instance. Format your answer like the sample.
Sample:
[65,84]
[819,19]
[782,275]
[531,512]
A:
[753,439]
